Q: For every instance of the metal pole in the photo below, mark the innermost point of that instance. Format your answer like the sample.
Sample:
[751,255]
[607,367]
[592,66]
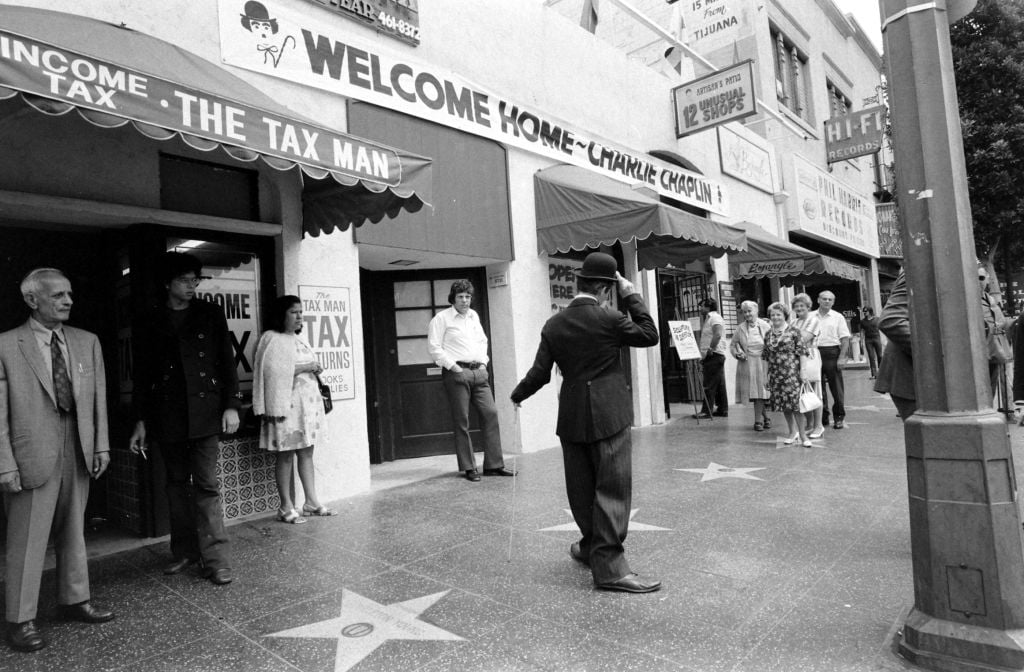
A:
[965,529]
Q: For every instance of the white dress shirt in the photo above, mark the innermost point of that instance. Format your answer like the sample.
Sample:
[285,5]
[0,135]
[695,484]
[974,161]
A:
[453,338]
[833,329]
[43,336]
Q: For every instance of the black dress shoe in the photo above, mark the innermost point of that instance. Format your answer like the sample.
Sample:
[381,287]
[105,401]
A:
[500,471]
[838,424]
[178,565]
[577,554]
[24,636]
[721,414]
[220,576]
[86,613]
[472,475]
[702,416]
[631,583]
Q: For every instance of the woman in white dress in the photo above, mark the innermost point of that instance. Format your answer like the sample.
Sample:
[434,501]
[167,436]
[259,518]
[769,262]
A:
[287,399]
[807,323]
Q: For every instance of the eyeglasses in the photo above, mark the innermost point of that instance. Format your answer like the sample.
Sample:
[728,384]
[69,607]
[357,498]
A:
[193,282]
[982,277]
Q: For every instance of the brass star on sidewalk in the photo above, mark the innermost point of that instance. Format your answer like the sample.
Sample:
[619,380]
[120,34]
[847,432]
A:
[363,625]
[715,471]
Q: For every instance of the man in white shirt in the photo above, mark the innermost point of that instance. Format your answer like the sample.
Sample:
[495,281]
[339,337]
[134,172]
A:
[457,343]
[833,344]
[712,350]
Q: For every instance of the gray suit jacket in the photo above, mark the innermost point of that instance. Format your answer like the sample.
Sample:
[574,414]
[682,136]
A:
[896,371]
[29,418]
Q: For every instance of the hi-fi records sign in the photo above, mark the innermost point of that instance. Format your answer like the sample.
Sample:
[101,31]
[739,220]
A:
[398,18]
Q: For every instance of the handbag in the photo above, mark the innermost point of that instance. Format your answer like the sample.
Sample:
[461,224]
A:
[809,399]
[810,365]
[325,394]
[999,350]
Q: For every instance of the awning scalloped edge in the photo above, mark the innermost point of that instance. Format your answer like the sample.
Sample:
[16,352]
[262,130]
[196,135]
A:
[634,238]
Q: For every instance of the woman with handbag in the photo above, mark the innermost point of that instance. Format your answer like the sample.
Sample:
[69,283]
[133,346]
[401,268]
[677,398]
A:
[286,393]
[751,374]
[806,322]
[782,351]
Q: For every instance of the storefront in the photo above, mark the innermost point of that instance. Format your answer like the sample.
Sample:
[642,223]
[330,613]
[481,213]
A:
[118,147]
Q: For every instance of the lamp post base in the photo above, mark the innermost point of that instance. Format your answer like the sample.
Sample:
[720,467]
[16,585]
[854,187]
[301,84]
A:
[935,644]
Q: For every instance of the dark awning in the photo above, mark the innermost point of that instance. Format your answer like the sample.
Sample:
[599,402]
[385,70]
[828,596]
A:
[770,257]
[113,76]
[578,208]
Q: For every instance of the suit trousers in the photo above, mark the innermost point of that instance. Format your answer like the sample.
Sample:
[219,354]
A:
[472,386]
[197,519]
[599,484]
[832,380]
[57,505]
[713,371]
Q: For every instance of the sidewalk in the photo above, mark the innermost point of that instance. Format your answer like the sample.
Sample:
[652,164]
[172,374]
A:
[780,558]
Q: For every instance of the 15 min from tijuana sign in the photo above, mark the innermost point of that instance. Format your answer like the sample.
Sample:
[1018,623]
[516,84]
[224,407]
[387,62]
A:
[723,96]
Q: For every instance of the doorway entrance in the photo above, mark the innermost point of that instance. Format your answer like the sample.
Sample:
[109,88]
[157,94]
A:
[679,295]
[407,406]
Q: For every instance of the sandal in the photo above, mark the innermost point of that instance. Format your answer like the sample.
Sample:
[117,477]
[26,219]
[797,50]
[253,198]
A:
[789,440]
[318,510]
[291,516]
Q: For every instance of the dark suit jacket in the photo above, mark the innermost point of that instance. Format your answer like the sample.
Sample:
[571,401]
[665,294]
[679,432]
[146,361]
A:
[896,372]
[584,340]
[184,382]
[29,419]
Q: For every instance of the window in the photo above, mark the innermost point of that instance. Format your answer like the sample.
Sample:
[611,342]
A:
[838,103]
[791,76]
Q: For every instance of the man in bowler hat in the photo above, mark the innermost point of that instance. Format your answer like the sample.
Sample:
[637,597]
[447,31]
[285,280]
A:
[595,412]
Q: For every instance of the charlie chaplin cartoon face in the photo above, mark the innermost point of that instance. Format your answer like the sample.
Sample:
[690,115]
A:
[261,29]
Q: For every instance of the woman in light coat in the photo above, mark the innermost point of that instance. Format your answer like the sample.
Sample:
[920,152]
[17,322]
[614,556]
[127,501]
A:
[751,370]
[287,398]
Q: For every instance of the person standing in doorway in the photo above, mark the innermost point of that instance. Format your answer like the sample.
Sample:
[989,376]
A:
[712,350]
[185,397]
[457,343]
[834,347]
[872,339]
[595,411]
[53,437]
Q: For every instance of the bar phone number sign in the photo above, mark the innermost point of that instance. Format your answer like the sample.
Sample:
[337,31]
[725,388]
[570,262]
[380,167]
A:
[399,19]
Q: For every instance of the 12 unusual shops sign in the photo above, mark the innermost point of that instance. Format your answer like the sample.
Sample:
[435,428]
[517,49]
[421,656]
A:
[723,96]
[327,327]
[311,50]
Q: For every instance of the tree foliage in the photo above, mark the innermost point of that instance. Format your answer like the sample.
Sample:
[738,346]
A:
[988,60]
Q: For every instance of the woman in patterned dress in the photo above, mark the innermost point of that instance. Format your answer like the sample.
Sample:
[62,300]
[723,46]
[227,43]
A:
[287,398]
[751,376]
[782,350]
[806,321]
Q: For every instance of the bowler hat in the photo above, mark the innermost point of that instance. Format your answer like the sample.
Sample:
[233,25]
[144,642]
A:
[598,266]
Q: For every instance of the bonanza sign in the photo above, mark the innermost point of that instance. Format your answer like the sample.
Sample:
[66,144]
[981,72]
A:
[722,96]
[327,326]
[315,53]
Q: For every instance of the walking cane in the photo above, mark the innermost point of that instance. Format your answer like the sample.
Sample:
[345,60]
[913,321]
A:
[517,447]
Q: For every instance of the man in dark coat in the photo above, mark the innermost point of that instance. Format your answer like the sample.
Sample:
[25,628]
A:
[896,371]
[185,396]
[595,412]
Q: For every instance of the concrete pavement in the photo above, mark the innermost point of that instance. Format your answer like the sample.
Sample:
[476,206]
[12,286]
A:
[773,557]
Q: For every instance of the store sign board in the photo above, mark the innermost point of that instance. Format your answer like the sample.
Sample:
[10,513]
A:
[684,340]
[890,242]
[399,19]
[322,55]
[855,134]
[772,268]
[826,208]
[31,66]
[562,279]
[327,327]
[235,290]
[723,96]
[712,24]
[744,160]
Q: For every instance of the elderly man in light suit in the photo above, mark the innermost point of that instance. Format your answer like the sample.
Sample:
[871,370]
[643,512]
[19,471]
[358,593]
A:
[53,436]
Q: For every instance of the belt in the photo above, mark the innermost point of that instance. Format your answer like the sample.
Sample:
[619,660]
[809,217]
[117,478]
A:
[472,366]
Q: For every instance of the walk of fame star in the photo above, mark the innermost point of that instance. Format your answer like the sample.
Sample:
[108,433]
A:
[715,471]
[633,527]
[363,625]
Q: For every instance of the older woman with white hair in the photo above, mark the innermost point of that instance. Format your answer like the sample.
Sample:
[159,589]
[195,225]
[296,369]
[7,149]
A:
[751,374]
[782,350]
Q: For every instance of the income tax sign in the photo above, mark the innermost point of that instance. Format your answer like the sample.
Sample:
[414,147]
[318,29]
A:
[722,96]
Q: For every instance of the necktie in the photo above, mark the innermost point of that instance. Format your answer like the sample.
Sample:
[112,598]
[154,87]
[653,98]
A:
[61,381]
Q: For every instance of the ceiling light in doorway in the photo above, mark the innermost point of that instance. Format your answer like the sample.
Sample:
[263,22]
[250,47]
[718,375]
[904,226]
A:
[403,262]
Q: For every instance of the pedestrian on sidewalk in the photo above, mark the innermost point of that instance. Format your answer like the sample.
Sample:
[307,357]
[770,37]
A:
[595,412]
[806,322]
[712,350]
[185,397]
[782,350]
[53,437]
[872,339]
[751,370]
[286,398]
[457,343]
[834,348]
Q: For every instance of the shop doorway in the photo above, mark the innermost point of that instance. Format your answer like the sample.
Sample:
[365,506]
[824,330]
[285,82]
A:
[407,406]
[679,296]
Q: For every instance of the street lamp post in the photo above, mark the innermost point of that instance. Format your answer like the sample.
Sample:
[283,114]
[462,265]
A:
[965,527]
